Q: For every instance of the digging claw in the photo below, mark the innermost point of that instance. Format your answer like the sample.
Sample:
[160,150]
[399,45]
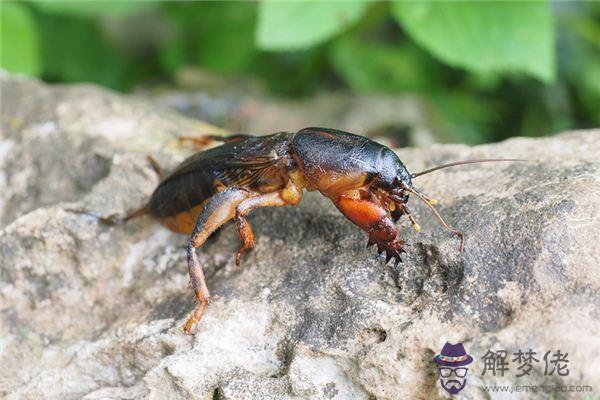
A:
[392,249]
[395,254]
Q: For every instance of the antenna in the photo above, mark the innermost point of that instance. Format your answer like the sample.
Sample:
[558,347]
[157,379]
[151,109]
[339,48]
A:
[429,202]
[454,164]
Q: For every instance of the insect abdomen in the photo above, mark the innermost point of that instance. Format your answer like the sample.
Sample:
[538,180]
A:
[177,202]
[258,164]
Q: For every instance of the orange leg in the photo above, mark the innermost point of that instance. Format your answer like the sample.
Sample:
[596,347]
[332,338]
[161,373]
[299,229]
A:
[220,209]
[247,236]
[374,219]
[290,195]
[200,142]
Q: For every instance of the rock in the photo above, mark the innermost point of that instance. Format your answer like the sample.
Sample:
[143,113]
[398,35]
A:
[92,310]
[58,142]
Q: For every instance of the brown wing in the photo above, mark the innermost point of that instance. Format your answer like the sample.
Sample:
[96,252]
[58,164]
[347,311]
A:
[255,163]
[238,163]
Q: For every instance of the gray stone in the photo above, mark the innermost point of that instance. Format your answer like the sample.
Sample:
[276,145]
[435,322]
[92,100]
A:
[93,310]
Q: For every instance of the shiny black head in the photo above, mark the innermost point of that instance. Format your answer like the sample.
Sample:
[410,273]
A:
[392,176]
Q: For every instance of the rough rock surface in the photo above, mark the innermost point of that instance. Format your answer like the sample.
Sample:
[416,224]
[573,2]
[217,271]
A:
[94,311]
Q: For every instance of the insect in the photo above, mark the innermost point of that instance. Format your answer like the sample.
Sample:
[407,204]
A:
[365,180]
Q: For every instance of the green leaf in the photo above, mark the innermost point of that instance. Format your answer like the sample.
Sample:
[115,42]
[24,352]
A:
[381,67]
[19,40]
[284,26]
[214,35]
[298,73]
[588,85]
[225,32]
[75,50]
[92,8]
[494,36]
[465,117]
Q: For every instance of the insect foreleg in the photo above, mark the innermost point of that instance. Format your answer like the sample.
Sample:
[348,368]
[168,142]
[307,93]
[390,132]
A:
[290,195]
[374,219]
[220,209]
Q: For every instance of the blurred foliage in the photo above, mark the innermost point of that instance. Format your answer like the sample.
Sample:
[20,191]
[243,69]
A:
[286,26]
[489,69]
[22,53]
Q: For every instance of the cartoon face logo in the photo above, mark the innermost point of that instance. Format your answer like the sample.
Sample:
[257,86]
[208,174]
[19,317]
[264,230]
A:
[452,362]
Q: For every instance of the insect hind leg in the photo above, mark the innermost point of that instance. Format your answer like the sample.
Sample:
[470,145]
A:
[219,209]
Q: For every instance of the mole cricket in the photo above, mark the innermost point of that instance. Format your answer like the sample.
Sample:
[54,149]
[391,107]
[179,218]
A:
[365,180]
